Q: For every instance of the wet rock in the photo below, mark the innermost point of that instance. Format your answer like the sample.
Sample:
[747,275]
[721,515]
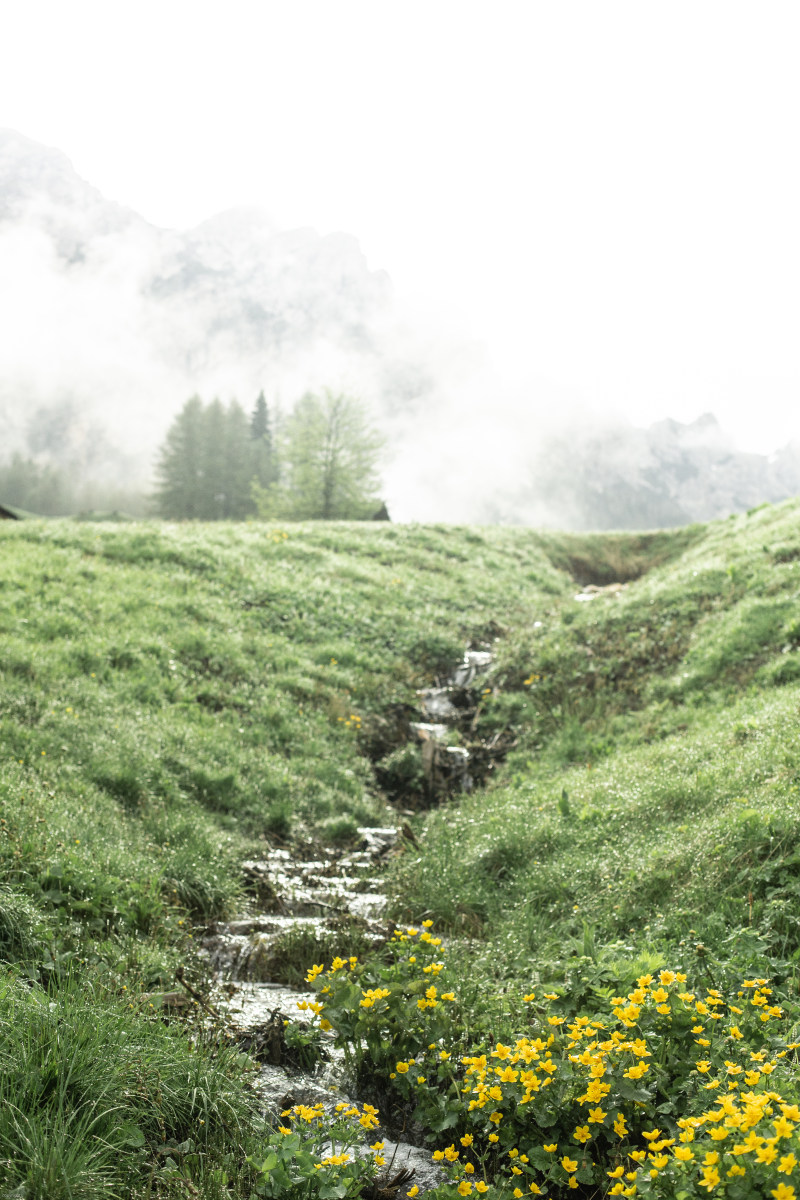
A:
[280,1091]
[426,732]
[475,663]
[438,703]
[403,1156]
[593,590]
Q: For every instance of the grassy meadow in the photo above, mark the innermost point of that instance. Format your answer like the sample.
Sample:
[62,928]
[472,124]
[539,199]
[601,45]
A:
[175,698]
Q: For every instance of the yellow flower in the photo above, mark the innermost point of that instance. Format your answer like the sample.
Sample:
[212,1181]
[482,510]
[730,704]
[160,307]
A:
[787,1164]
[552,1148]
[480,1186]
[464,1188]
[414,1191]
[582,1133]
[401,1068]
[637,1071]
[569,1164]
[620,1128]
[783,1192]
[683,1153]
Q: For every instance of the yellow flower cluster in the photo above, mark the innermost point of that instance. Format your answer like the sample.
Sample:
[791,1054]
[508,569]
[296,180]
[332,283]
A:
[371,995]
[367,1116]
[338,964]
[589,1058]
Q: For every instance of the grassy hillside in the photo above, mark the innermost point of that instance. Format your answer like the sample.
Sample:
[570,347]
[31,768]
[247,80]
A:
[652,794]
[173,698]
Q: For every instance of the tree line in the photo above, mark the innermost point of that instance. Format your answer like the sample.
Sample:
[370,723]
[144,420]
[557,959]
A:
[320,462]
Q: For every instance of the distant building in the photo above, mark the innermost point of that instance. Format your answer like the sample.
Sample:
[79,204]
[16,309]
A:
[8,514]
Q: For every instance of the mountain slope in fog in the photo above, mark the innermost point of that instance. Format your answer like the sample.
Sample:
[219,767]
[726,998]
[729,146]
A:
[620,477]
[112,322]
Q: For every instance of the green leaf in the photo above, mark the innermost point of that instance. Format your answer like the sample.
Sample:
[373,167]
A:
[269,1163]
[131,1135]
[333,1191]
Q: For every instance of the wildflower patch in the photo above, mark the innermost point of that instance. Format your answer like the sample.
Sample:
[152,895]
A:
[676,1091]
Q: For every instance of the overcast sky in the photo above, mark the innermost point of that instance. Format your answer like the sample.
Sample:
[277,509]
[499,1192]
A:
[607,194]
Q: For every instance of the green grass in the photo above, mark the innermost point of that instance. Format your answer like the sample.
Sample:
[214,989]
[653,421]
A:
[170,699]
[173,698]
[651,800]
[97,1099]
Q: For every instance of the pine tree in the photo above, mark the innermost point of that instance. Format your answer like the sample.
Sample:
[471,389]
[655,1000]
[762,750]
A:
[206,464]
[259,420]
[238,465]
[264,459]
[181,489]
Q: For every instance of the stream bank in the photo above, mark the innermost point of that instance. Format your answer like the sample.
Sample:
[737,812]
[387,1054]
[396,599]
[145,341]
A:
[331,902]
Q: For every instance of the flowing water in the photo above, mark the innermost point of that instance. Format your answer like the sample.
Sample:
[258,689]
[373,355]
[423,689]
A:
[310,902]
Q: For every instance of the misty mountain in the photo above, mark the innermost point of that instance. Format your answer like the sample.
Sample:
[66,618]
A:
[111,322]
[616,476]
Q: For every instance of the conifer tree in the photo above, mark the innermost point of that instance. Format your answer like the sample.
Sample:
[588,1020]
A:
[264,459]
[205,467]
[181,492]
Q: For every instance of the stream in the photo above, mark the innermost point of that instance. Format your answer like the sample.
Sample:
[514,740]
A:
[313,900]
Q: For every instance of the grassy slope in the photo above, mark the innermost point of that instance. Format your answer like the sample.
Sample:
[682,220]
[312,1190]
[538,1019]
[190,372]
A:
[652,798]
[169,695]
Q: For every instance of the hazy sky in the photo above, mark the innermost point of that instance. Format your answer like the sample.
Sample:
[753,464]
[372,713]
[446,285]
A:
[606,193]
